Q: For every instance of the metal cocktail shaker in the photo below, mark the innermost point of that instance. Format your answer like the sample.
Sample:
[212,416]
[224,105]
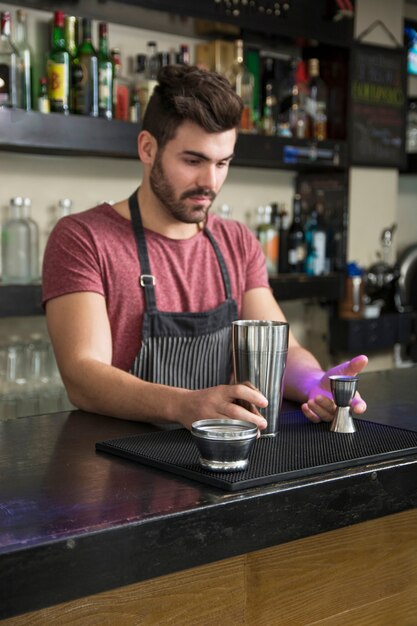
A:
[259,358]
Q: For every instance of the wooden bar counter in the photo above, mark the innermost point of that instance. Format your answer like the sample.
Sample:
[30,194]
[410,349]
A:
[88,538]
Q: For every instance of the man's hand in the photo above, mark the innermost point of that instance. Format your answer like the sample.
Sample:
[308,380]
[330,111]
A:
[224,402]
[320,405]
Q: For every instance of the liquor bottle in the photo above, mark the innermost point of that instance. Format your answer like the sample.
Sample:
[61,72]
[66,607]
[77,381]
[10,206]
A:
[105,74]
[15,248]
[70,35]
[183,57]
[316,102]
[34,239]
[63,208]
[9,68]
[296,239]
[58,68]
[283,240]
[25,59]
[85,75]
[121,89]
[269,97]
[268,238]
[152,61]
[242,82]
[315,235]
[43,98]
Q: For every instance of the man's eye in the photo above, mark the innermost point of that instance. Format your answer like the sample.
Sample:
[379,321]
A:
[223,164]
[192,161]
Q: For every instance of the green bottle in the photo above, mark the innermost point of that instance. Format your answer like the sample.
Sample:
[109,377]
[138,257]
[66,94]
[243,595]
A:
[105,74]
[70,30]
[58,68]
[85,75]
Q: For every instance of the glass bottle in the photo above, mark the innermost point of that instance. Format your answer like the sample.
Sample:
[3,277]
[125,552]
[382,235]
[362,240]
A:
[283,240]
[85,75]
[9,68]
[242,82]
[183,57]
[43,98]
[62,209]
[141,84]
[58,68]
[70,35]
[316,102]
[105,74]
[34,239]
[25,58]
[15,248]
[121,89]
[296,239]
[152,61]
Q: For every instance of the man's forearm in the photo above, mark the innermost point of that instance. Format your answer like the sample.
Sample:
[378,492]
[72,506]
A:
[302,372]
[101,388]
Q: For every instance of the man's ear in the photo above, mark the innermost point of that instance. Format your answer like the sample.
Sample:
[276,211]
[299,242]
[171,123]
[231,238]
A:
[147,147]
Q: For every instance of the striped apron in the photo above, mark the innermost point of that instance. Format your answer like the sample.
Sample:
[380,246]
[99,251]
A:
[189,350]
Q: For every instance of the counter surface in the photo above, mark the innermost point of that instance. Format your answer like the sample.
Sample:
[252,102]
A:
[74,522]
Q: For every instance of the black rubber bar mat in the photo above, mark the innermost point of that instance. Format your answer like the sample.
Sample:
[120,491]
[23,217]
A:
[300,449]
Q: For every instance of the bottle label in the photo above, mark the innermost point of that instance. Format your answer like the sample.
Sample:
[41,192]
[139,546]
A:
[4,83]
[105,87]
[57,82]
[122,103]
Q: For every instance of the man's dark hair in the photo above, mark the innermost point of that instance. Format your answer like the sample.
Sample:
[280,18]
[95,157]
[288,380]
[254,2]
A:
[188,93]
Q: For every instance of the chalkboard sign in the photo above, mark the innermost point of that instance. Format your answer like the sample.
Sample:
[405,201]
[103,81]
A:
[378,95]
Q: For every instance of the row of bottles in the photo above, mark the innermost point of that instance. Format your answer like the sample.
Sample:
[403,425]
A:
[303,243]
[282,96]
[20,241]
[79,78]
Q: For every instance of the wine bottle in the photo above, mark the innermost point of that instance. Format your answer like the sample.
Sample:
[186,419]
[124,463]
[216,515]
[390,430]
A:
[58,68]
[296,239]
[85,75]
[105,74]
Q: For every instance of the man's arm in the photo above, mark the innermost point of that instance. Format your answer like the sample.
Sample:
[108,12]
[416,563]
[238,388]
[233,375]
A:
[305,381]
[80,332]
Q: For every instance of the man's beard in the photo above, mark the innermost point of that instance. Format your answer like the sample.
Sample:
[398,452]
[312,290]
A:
[165,193]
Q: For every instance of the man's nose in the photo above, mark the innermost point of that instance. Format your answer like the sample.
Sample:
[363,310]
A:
[207,177]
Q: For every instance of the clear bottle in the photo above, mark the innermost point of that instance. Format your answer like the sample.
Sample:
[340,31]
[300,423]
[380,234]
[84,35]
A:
[121,89]
[9,65]
[62,209]
[243,83]
[105,74]
[268,234]
[296,239]
[25,58]
[58,68]
[316,102]
[34,239]
[85,75]
[183,56]
[15,249]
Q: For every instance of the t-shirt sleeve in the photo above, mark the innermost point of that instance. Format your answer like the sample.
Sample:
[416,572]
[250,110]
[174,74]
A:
[256,272]
[71,262]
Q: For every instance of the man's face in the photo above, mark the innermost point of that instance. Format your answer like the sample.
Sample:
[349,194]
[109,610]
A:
[188,173]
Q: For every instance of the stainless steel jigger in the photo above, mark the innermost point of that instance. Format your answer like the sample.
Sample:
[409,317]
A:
[343,389]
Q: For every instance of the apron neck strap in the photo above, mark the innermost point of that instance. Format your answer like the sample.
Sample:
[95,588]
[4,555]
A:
[146,279]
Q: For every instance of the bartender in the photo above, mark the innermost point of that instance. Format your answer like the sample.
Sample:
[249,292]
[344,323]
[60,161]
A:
[140,296]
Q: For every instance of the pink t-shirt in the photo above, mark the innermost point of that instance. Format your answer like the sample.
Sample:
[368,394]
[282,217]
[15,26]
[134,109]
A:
[96,251]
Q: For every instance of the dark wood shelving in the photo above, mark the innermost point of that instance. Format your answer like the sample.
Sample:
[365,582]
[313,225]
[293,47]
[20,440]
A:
[72,135]
[26,300]
[301,286]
